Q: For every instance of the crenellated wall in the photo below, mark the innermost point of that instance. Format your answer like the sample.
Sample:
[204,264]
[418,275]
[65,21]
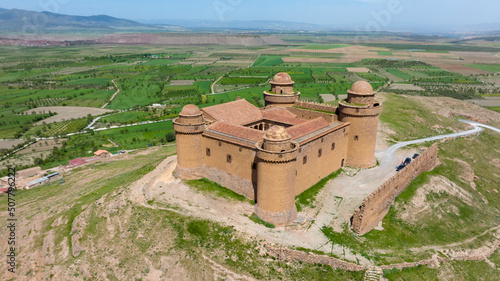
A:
[316,106]
[376,205]
[309,114]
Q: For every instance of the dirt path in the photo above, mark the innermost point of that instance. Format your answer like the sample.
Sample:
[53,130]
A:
[114,95]
[214,83]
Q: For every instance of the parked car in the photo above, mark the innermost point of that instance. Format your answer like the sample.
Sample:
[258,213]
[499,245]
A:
[415,155]
[400,167]
[407,161]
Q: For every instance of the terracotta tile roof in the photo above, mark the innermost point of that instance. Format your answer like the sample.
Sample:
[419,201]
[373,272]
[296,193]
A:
[237,131]
[282,115]
[237,112]
[278,111]
[100,151]
[307,127]
[77,162]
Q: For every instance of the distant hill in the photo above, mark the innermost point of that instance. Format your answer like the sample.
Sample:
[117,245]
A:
[16,20]
[271,25]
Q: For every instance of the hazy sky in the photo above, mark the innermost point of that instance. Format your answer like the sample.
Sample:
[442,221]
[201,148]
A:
[359,14]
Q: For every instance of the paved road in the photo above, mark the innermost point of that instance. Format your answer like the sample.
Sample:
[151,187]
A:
[389,154]
[354,188]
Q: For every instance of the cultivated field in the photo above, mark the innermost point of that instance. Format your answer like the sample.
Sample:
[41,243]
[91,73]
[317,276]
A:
[396,86]
[8,144]
[65,113]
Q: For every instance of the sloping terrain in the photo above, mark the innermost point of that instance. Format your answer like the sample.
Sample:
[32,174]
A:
[128,217]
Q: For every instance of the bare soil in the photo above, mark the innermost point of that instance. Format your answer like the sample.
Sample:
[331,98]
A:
[358,69]
[65,113]
[396,86]
[450,107]
[8,144]
[42,145]
[488,101]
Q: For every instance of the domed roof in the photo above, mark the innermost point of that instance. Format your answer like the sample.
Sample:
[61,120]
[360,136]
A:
[190,109]
[361,87]
[277,133]
[282,78]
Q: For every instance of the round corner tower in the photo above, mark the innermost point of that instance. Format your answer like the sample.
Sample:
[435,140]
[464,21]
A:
[276,168]
[282,93]
[188,128]
[362,112]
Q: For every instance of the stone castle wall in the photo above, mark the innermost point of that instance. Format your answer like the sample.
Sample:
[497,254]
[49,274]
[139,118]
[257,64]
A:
[376,205]
[316,106]
[308,114]
[294,255]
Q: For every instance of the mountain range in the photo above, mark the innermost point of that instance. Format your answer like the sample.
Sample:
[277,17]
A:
[16,20]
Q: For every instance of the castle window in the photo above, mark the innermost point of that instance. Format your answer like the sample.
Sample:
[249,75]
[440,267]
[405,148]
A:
[320,152]
[241,149]
[304,160]
[356,137]
[342,163]
[208,151]
[228,158]
[322,140]
[333,145]
[220,143]
[344,130]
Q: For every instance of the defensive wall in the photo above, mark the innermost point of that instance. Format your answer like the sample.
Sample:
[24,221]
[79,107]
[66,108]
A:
[283,253]
[295,255]
[376,205]
[309,114]
[316,106]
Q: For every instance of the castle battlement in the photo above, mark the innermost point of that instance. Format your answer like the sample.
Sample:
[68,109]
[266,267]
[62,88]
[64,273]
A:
[316,106]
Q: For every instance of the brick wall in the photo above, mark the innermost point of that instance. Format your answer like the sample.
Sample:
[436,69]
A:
[376,205]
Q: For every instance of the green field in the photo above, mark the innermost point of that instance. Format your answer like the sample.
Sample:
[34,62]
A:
[494,68]
[126,117]
[400,74]
[268,60]
[384,53]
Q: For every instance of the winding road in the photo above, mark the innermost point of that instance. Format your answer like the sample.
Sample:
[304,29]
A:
[353,188]
[387,157]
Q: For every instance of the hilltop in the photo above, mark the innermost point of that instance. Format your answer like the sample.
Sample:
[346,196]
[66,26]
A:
[129,217]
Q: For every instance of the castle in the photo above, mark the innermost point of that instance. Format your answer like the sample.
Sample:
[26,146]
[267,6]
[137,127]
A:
[273,154]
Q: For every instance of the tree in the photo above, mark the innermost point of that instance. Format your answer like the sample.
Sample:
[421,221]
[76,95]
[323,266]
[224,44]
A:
[170,136]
